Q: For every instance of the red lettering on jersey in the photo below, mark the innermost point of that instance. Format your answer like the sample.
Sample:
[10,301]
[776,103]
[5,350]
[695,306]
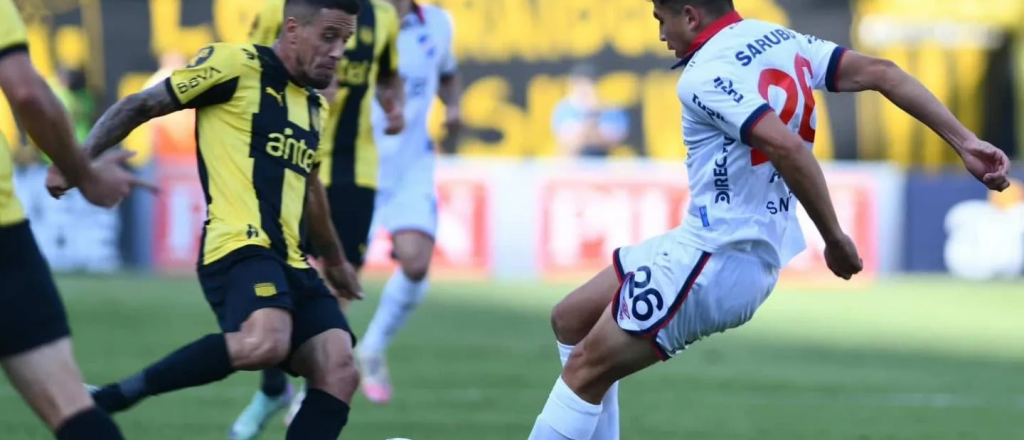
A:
[782,80]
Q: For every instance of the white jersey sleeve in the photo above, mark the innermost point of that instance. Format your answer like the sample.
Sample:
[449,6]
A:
[723,101]
[824,57]
[449,64]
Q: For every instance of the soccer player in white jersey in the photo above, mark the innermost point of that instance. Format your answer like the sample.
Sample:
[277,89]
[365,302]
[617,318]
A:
[406,201]
[749,121]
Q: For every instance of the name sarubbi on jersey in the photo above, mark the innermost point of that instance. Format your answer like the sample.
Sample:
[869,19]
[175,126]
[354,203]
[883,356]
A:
[293,151]
[199,78]
[759,46]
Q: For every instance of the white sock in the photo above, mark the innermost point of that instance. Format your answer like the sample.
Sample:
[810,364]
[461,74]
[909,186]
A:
[608,424]
[400,297]
[565,416]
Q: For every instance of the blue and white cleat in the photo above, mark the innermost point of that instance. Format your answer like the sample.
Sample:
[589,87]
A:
[255,416]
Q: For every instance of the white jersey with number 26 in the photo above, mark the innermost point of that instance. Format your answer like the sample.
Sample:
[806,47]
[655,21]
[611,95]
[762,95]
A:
[744,69]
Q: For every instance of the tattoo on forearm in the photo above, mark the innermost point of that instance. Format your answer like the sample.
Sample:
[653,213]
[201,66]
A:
[126,115]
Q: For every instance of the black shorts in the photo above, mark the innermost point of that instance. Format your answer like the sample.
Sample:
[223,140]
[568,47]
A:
[252,278]
[31,311]
[352,213]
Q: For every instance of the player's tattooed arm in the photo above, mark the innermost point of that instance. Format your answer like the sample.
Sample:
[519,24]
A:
[318,217]
[127,115]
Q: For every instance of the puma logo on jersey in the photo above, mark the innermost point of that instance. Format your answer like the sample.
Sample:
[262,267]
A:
[276,95]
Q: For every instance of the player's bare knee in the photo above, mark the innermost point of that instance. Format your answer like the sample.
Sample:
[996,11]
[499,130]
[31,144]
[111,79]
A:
[256,348]
[341,378]
[257,353]
[566,324]
[587,373]
[416,268]
[334,371]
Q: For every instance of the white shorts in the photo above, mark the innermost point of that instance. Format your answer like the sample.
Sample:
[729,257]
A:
[406,210]
[676,295]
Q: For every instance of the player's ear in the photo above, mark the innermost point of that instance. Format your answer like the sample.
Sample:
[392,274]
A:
[291,29]
[690,17]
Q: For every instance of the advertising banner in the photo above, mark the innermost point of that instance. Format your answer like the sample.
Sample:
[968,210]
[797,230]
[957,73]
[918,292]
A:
[561,221]
[955,224]
[180,211]
[587,215]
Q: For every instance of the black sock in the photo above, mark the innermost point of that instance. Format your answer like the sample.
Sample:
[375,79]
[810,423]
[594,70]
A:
[199,363]
[91,424]
[274,382]
[321,417]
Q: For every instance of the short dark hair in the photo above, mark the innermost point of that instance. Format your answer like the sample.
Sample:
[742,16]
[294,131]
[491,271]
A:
[715,7]
[306,10]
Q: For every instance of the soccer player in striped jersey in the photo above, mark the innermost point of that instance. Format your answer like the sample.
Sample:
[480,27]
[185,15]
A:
[368,72]
[259,120]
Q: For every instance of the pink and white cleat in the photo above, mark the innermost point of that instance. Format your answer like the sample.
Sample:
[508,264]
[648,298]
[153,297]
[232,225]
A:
[376,384]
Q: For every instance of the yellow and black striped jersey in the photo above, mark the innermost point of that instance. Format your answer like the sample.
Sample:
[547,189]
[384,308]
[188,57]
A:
[258,139]
[12,40]
[350,154]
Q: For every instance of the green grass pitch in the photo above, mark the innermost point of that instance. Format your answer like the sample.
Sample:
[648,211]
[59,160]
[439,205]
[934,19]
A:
[912,358]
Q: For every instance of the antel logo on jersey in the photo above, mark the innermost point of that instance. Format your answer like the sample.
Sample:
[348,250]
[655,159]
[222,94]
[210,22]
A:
[710,112]
[725,85]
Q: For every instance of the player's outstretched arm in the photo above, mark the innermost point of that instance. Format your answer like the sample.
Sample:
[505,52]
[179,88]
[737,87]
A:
[858,72]
[41,114]
[127,115]
[450,93]
[337,271]
[802,174]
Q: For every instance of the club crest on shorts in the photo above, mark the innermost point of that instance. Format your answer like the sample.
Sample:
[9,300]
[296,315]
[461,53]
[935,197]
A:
[264,290]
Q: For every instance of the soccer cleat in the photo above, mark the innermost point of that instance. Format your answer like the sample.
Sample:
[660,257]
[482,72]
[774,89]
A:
[254,417]
[295,406]
[109,398]
[376,384]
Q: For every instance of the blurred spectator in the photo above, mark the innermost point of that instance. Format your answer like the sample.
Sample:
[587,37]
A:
[583,125]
